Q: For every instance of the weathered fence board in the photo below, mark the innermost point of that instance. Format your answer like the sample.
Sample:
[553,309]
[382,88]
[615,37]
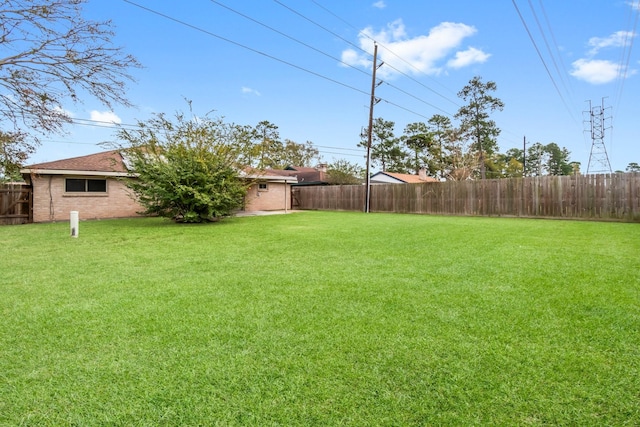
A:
[603,197]
[16,204]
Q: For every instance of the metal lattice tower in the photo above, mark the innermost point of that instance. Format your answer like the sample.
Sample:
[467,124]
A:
[598,158]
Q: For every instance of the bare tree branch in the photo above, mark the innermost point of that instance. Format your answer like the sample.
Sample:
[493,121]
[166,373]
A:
[50,54]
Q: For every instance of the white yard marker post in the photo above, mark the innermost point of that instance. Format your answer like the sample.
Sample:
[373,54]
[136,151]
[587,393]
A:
[73,223]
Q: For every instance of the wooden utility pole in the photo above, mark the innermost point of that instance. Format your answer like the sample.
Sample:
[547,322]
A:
[524,156]
[367,202]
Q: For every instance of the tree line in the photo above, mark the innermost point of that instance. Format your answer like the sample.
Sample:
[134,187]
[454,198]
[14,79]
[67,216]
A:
[466,151]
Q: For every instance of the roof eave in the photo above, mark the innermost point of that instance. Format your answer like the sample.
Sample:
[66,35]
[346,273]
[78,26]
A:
[75,172]
[272,178]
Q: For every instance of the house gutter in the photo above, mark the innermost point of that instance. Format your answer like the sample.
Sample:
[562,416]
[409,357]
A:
[75,172]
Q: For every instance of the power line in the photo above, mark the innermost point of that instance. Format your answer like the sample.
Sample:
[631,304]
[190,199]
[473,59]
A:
[415,80]
[362,50]
[555,43]
[624,62]
[259,52]
[339,148]
[546,42]
[263,53]
[388,50]
[105,124]
[89,122]
[419,99]
[405,109]
[101,123]
[381,45]
[71,142]
[391,66]
[526,27]
[321,26]
[288,36]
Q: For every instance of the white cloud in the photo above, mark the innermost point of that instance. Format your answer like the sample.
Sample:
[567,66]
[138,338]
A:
[250,91]
[634,4]
[105,116]
[600,71]
[351,57]
[617,39]
[596,71]
[424,52]
[468,57]
[380,4]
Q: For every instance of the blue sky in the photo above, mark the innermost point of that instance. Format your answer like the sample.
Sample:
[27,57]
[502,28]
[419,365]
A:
[301,66]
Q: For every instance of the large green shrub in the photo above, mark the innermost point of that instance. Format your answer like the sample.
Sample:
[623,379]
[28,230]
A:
[185,169]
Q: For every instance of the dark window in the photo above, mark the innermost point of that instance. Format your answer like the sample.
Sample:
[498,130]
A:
[75,185]
[263,186]
[97,185]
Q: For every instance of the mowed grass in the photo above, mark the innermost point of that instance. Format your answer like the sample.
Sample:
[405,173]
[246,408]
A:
[321,318]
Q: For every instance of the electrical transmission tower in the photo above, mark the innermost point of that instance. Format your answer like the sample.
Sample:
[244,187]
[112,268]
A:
[598,158]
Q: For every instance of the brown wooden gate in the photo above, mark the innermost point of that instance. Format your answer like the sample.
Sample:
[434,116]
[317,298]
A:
[16,204]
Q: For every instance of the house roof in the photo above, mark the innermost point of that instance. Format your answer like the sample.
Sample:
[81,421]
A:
[109,163]
[112,163]
[307,175]
[406,178]
[271,175]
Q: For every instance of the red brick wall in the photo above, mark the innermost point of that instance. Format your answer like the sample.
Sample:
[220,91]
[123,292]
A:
[51,203]
[271,199]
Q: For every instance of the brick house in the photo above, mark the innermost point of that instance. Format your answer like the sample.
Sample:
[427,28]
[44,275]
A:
[270,190]
[93,186]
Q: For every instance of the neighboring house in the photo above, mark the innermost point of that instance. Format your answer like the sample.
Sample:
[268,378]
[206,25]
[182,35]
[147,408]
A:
[291,176]
[309,176]
[93,186]
[400,178]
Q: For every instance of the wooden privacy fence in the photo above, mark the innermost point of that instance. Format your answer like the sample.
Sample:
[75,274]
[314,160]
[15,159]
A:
[16,204]
[602,197]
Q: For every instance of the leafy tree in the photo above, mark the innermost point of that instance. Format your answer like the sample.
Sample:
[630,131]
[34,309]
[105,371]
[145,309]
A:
[496,165]
[633,167]
[419,141]
[13,153]
[535,160]
[186,168]
[342,172]
[52,54]
[385,147]
[513,163]
[558,160]
[444,137]
[249,151]
[267,139]
[512,168]
[474,118]
[295,154]
[575,168]
[548,159]
[262,148]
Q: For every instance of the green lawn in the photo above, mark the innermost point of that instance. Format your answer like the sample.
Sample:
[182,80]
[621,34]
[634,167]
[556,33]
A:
[321,318]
